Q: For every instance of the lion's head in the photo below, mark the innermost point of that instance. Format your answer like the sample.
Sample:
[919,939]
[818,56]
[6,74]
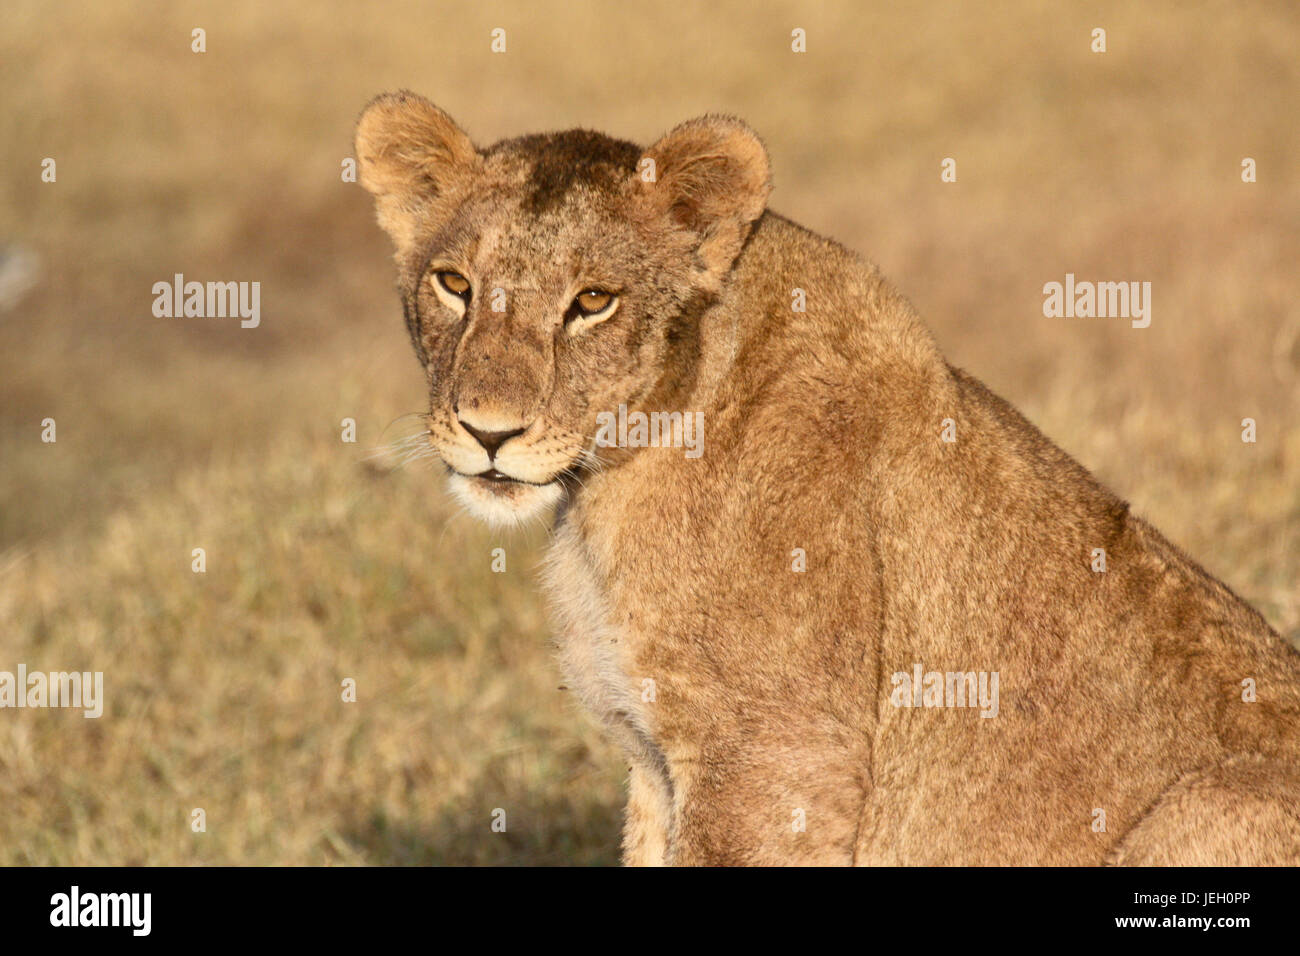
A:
[549,278]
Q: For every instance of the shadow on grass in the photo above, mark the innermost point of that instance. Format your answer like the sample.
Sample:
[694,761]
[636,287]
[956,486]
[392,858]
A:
[539,832]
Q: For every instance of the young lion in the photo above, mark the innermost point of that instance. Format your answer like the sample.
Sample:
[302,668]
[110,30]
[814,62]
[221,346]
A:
[879,618]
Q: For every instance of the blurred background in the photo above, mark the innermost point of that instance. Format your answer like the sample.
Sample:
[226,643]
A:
[223,688]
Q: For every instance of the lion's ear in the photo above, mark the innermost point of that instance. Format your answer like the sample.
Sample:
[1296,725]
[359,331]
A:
[710,176]
[410,154]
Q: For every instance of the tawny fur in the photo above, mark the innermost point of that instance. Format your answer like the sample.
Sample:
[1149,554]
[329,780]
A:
[1120,691]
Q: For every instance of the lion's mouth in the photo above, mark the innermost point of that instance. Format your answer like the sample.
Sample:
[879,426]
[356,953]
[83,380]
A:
[495,484]
[493,475]
[499,482]
[503,500]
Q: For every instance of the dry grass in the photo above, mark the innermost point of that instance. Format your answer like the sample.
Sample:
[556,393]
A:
[223,688]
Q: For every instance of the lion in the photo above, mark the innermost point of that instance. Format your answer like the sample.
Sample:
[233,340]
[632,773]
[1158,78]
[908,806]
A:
[880,618]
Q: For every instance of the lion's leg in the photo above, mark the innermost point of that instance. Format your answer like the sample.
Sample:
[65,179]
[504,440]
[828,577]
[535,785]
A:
[760,807]
[645,826]
[1242,812]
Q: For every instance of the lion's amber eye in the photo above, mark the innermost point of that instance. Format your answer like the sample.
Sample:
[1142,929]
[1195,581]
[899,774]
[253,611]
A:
[593,301]
[455,283]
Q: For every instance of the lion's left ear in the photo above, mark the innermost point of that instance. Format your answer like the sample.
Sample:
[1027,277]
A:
[410,154]
[711,177]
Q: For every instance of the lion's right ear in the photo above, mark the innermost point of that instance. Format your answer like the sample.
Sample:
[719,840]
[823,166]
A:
[410,155]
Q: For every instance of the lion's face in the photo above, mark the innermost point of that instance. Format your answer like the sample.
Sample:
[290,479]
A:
[530,322]
[546,280]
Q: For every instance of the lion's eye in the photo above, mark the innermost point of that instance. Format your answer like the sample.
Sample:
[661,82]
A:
[592,303]
[455,283]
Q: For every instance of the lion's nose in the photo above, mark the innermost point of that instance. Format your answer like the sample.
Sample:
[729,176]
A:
[490,441]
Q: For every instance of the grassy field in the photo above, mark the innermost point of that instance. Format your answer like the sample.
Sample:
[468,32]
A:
[223,688]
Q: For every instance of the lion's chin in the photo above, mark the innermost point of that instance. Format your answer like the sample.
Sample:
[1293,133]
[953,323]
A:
[504,504]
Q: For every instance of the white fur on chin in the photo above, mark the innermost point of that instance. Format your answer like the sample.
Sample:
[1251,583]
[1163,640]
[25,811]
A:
[506,506]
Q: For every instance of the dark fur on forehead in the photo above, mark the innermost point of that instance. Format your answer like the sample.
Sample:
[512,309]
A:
[576,157]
